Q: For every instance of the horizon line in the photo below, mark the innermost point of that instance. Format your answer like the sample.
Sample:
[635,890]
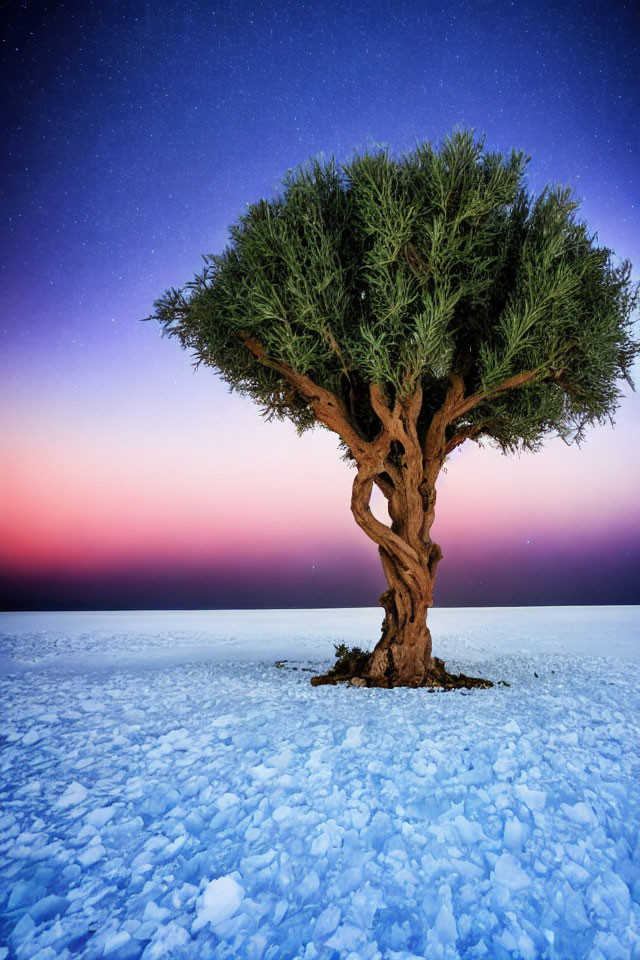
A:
[442,606]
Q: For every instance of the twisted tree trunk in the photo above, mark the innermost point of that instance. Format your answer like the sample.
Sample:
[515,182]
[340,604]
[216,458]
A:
[403,653]
[406,474]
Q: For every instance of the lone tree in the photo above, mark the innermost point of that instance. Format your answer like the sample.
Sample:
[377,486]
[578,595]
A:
[411,304]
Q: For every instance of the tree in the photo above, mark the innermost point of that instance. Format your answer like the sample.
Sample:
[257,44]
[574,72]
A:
[410,305]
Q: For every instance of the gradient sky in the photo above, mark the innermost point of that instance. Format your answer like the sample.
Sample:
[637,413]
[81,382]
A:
[134,133]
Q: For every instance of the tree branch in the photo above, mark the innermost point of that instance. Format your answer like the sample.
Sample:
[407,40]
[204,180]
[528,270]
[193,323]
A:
[517,380]
[456,405]
[328,408]
[400,424]
[568,388]
[435,439]
[380,406]
[465,433]
[399,421]
[377,531]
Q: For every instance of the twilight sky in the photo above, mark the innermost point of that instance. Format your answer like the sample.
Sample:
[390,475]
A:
[134,133]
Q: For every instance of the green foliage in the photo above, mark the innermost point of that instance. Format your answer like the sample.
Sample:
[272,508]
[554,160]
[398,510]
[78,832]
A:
[402,270]
[343,652]
[350,661]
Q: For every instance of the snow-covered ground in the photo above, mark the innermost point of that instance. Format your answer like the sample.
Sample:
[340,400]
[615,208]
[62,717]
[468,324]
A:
[168,792]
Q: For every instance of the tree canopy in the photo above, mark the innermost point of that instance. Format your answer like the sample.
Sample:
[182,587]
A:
[403,272]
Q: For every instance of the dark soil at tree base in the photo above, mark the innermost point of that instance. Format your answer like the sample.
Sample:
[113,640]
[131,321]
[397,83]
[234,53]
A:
[353,670]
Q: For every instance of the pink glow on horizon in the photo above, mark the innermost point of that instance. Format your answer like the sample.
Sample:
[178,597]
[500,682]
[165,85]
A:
[82,502]
[560,493]
[162,491]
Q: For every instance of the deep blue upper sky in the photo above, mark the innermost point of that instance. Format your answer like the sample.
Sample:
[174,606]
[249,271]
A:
[135,132]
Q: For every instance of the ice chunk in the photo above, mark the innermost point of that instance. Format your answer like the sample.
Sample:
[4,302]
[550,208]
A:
[194,785]
[360,816]
[309,885]
[23,928]
[527,947]
[282,813]
[533,799]
[445,926]
[167,940]
[100,816]
[34,735]
[365,902]
[23,892]
[353,738]
[283,759]
[420,766]
[377,833]
[510,874]
[575,874]
[345,937]
[91,854]
[580,813]
[47,908]
[194,823]
[177,739]
[608,896]
[115,941]
[225,720]
[278,914]
[92,706]
[220,900]
[185,894]
[261,773]
[467,831]
[153,912]
[610,947]
[73,795]
[320,844]
[574,914]
[513,835]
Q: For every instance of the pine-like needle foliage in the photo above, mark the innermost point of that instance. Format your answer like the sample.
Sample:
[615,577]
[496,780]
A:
[400,271]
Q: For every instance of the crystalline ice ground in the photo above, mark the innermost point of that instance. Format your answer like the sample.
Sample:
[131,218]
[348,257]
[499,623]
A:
[168,792]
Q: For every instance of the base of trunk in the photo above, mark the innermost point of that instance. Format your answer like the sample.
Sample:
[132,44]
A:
[354,670]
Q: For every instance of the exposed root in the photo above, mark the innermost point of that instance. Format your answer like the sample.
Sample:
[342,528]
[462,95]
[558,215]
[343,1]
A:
[354,670]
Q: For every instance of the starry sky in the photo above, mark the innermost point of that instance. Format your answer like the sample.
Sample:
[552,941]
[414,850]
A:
[134,133]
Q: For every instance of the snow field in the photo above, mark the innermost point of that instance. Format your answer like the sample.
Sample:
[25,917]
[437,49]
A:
[204,808]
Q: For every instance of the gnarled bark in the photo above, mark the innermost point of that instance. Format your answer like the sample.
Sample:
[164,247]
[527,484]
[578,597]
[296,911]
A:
[403,653]
[406,475]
